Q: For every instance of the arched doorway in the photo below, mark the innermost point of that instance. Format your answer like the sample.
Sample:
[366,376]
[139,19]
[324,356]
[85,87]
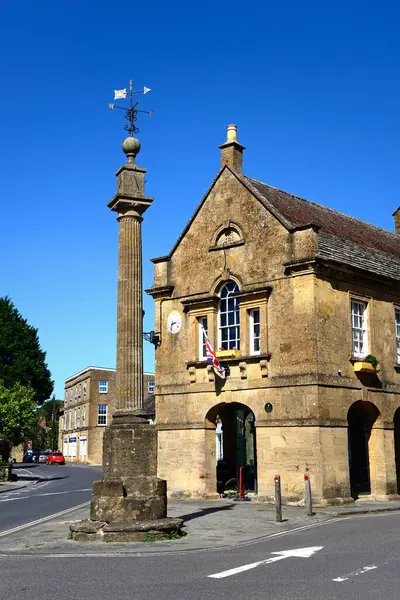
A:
[396,421]
[235,445]
[361,418]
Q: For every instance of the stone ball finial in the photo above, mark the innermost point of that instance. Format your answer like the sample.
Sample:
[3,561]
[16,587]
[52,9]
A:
[131,147]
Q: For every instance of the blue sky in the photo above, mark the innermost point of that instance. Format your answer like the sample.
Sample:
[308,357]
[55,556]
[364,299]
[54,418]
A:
[313,88]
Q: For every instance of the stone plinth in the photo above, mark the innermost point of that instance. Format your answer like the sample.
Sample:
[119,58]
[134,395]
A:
[139,531]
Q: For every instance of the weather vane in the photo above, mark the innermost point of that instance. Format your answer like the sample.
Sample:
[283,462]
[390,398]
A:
[131,111]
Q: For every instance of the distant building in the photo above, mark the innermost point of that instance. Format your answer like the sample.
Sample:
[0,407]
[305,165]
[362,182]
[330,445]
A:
[89,404]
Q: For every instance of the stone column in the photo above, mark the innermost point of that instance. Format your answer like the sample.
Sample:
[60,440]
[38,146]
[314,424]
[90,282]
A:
[130,317]
[130,500]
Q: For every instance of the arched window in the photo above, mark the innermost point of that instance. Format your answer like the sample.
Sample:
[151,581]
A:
[229,319]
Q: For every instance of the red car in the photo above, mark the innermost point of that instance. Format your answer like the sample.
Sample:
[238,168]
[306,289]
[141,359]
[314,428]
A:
[55,458]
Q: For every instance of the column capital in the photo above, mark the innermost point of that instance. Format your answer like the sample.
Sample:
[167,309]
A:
[125,204]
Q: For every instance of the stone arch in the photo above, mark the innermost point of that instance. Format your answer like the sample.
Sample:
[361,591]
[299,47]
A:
[238,429]
[396,432]
[361,418]
[227,234]
[222,279]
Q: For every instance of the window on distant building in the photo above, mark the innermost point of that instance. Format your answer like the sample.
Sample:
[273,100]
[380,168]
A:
[79,390]
[359,328]
[203,324]
[102,414]
[78,422]
[254,315]
[229,318]
[83,414]
[397,319]
[103,386]
[84,389]
[150,386]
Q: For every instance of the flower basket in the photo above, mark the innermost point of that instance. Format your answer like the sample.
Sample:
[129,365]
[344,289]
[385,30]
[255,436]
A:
[368,365]
[228,353]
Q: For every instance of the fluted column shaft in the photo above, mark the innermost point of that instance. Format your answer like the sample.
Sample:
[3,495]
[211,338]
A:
[129,315]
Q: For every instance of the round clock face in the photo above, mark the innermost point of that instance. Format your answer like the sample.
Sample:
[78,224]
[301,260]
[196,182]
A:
[174,322]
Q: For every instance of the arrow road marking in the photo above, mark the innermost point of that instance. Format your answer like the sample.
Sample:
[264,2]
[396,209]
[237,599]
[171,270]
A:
[298,552]
[355,573]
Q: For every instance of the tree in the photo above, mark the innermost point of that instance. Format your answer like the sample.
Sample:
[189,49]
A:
[47,431]
[21,358]
[18,416]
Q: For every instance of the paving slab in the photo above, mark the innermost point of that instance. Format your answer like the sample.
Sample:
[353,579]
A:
[208,525]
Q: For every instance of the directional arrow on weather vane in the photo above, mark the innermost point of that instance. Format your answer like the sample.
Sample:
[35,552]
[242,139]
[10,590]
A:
[298,553]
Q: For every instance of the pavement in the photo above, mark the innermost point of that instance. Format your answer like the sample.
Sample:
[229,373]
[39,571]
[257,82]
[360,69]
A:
[215,524]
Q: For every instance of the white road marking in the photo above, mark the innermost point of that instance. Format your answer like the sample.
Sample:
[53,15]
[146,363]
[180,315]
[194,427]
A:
[43,519]
[355,573]
[298,552]
[46,494]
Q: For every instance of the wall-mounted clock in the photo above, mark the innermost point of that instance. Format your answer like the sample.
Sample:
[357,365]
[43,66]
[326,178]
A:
[174,322]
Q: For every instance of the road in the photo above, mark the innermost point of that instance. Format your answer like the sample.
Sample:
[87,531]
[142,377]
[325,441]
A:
[63,487]
[355,558]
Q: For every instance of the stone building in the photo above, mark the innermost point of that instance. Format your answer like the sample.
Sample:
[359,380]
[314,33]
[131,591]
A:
[294,297]
[88,407]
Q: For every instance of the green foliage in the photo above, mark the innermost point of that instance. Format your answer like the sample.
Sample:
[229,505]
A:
[45,435]
[18,416]
[371,359]
[21,358]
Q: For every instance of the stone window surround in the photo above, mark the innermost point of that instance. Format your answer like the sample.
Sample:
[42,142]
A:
[367,300]
[208,307]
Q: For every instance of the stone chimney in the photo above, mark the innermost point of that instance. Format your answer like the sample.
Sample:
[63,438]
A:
[232,151]
[396,216]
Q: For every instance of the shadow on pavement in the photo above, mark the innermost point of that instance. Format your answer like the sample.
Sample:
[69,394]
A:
[204,511]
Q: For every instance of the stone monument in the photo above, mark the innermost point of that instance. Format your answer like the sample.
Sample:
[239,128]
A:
[129,502]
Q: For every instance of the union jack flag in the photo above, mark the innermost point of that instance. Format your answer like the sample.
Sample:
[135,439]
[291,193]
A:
[212,357]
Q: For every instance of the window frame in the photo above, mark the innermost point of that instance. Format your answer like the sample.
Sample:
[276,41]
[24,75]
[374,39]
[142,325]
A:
[364,329]
[253,337]
[201,349]
[102,391]
[397,333]
[101,414]
[235,310]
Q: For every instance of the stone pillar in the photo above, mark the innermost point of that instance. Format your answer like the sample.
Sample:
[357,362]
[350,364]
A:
[130,317]
[130,501]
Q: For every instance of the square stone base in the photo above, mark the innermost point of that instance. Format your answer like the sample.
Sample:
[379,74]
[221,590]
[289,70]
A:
[141,531]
